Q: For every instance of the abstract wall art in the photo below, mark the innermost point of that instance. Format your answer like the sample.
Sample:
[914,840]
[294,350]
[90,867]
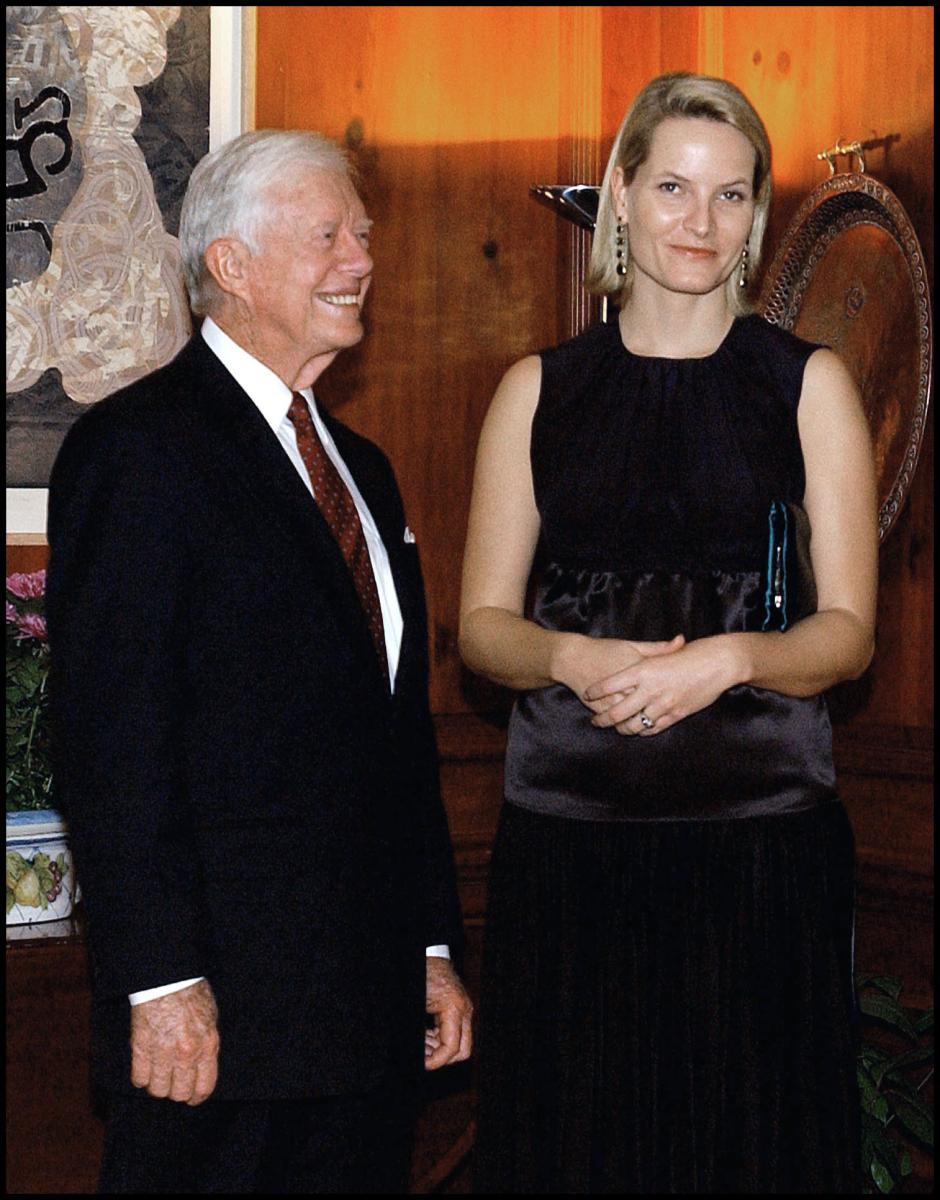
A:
[107,113]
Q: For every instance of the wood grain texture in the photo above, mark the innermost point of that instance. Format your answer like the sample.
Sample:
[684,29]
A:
[54,1138]
[25,556]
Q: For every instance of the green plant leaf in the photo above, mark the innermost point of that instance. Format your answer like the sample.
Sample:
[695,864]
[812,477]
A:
[916,1118]
[877,1145]
[882,1177]
[873,1056]
[867,1089]
[900,1087]
[924,1024]
[870,1128]
[889,984]
[915,1057]
[868,1149]
[906,1165]
[880,1074]
[889,1011]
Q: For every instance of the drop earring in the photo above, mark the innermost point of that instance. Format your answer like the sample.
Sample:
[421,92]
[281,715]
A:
[742,280]
[619,242]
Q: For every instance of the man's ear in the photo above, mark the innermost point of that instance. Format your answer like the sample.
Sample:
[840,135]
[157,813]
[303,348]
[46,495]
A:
[227,262]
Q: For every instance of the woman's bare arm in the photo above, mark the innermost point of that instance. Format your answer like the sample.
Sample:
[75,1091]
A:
[496,640]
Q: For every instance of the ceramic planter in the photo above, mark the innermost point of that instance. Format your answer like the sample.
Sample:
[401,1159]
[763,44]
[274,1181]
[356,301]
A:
[40,875]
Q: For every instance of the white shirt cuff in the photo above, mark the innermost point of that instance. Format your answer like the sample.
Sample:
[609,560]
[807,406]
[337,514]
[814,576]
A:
[438,952]
[153,993]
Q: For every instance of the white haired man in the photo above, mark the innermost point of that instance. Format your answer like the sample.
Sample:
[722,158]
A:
[239,692]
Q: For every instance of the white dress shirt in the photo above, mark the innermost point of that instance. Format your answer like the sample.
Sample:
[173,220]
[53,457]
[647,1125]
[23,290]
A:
[272,397]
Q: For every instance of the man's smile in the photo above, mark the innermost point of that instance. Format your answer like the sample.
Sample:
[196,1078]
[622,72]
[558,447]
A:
[341,298]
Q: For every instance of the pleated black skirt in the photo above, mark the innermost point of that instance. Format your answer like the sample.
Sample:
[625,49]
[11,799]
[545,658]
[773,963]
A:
[668,1008]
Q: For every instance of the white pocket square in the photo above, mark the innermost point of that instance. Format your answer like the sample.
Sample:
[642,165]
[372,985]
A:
[409,536]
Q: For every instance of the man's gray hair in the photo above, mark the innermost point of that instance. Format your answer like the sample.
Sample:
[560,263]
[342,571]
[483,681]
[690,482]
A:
[228,196]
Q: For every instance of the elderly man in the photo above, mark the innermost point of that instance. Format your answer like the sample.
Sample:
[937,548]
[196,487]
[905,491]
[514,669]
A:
[246,754]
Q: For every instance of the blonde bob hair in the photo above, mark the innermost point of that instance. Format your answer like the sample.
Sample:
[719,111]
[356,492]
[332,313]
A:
[680,94]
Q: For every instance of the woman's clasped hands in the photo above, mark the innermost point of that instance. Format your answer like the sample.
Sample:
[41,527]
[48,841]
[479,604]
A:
[667,682]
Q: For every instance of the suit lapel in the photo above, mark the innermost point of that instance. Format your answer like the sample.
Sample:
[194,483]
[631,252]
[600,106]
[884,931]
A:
[246,449]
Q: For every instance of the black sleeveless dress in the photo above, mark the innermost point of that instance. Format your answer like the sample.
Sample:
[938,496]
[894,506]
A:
[667,995]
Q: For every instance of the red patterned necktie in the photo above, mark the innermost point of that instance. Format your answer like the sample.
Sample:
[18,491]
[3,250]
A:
[339,511]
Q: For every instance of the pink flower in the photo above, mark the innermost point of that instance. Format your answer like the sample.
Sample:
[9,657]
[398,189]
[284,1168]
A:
[27,587]
[12,614]
[31,625]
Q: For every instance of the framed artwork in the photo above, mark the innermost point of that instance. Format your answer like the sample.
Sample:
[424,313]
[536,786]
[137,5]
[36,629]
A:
[108,110]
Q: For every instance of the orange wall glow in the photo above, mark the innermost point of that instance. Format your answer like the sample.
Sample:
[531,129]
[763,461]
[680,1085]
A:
[414,74]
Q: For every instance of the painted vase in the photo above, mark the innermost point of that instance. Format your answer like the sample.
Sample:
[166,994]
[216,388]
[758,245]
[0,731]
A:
[40,875]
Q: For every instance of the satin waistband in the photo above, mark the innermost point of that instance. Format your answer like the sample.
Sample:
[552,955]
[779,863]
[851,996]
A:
[753,752]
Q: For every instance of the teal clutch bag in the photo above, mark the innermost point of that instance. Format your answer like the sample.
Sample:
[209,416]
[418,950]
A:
[789,586]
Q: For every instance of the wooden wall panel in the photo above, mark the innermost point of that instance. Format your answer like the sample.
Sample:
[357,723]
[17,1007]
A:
[54,1138]
[818,73]
[26,557]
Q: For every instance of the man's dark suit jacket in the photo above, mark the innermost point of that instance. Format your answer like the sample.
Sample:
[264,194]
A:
[246,800]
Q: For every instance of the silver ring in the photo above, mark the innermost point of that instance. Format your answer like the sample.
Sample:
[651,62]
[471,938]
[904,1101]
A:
[645,721]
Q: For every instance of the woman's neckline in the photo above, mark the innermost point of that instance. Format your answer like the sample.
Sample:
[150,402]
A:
[735,322]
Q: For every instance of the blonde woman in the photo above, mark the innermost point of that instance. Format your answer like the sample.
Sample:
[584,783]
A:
[668,1000]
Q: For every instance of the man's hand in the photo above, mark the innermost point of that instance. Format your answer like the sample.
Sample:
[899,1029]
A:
[175,1045]
[451,1037]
